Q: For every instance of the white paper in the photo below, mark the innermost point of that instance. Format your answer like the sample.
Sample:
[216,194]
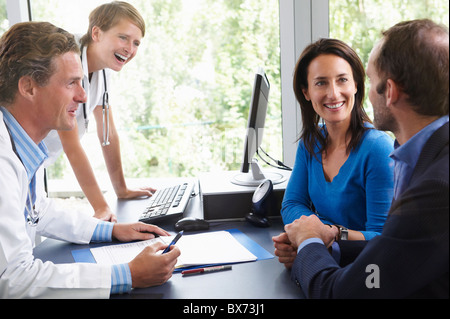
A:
[124,253]
[200,249]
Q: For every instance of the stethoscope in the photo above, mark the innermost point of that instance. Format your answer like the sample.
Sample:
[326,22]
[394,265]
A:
[32,217]
[105,110]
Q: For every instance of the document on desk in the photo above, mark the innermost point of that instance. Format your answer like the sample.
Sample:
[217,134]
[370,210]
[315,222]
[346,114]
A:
[200,249]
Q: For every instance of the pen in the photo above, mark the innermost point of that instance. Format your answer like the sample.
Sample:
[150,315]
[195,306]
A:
[174,241]
[204,270]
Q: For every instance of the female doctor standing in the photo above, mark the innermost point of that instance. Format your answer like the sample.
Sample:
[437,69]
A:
[113,38]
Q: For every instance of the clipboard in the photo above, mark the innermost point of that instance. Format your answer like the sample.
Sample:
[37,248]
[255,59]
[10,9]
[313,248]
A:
[85,255]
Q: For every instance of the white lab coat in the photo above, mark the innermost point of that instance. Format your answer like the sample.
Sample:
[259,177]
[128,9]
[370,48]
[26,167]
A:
[23,276]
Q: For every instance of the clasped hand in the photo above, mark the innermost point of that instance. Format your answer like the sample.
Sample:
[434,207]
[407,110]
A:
[286,244]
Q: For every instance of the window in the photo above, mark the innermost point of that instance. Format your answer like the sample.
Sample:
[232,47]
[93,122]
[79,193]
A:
[4,24]
[360,22]
[181,105]
[151,116]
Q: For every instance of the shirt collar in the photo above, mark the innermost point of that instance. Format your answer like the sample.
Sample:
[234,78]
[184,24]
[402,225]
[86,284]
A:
[31,155]
[410,151]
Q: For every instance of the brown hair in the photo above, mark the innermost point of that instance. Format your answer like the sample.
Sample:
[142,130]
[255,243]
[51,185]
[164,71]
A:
[415,55]
[108,15]
[29,49]
[312,134]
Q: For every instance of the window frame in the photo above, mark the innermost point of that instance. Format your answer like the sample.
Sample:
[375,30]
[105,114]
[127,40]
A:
[301,22]
[18,11]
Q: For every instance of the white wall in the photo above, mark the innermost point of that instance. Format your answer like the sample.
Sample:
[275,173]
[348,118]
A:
[17,11]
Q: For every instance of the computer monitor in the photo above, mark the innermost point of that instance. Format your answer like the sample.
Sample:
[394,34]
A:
[251,173]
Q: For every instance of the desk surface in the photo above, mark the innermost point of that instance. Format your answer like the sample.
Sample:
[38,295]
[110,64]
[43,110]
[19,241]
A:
[265,279]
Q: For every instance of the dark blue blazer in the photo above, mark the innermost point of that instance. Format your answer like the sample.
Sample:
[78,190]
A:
[412,253]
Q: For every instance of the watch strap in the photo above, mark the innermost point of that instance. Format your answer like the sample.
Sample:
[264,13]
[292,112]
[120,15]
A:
[343,233]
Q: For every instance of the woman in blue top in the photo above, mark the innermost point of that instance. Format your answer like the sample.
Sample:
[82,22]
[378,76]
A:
[342,172]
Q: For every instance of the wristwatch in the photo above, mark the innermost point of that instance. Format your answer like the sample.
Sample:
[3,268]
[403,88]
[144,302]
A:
[343,233]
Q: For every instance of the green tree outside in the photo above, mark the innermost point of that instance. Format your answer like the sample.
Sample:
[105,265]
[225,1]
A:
[360,22]
[182,105]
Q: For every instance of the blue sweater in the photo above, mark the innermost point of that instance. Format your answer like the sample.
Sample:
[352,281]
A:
[359,197]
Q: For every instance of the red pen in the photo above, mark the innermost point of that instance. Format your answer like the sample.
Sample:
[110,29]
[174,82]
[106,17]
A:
[204,270]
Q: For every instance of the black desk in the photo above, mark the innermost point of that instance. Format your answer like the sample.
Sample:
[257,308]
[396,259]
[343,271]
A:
[265,279]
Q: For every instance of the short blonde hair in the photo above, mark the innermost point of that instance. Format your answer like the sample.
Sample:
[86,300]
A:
[108,15]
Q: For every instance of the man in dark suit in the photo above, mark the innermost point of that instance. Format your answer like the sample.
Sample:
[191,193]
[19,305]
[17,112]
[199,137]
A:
[408,70]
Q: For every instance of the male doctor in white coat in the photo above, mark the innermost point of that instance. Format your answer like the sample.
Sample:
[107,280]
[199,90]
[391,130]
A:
[40,90]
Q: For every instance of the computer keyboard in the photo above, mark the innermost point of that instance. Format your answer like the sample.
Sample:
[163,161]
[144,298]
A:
[167,203]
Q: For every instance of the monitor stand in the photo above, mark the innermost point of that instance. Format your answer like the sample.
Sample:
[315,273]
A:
[255,177]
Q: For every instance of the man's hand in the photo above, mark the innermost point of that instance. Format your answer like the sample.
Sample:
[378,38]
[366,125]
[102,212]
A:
[310,227]
[284,250]
[150,269]
[136,231]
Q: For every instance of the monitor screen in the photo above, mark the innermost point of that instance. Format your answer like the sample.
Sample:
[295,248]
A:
[256,118]
[251,173]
